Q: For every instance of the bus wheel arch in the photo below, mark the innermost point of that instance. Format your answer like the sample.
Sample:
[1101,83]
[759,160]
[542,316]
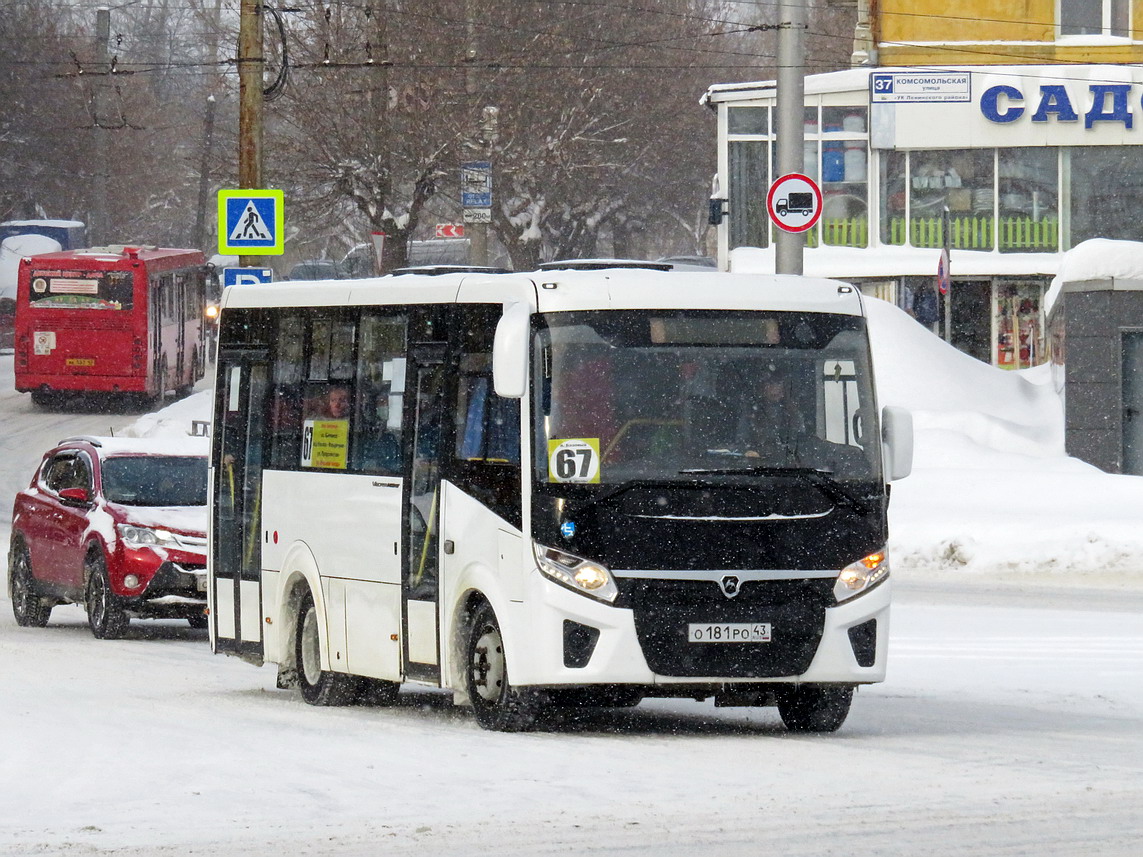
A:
[299,582]
[496,703]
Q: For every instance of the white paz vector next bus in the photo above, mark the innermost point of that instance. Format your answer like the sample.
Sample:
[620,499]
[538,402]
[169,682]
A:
[560,488]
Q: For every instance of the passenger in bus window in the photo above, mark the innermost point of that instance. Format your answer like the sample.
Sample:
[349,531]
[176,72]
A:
[335,403]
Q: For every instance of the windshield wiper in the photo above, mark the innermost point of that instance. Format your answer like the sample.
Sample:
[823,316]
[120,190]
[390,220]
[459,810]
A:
[818,477]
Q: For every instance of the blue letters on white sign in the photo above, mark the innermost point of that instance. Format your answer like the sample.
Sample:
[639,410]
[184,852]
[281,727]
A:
[1119,111]
[1054,99]
[990,103]
[1109,103]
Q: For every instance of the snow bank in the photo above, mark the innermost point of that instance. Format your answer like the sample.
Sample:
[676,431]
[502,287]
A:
[992,491]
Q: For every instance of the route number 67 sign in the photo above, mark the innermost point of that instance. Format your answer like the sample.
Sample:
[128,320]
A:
[573,460]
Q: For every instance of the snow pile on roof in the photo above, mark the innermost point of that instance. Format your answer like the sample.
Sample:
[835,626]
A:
[12,250]
[1097,259]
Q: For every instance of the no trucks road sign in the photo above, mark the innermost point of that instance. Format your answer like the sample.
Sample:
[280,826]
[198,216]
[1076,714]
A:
[794,202]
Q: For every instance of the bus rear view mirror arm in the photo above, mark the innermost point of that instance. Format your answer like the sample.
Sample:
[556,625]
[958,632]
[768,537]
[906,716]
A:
[897,442]
[510,351]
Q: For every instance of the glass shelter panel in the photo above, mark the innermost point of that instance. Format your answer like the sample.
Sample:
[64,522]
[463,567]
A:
[748,120]
[1106,184]
[845,177]
[961,180]
[749,182]
[1028,210]
[894,196]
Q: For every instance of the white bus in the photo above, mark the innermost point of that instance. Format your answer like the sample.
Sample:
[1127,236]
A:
[561,488]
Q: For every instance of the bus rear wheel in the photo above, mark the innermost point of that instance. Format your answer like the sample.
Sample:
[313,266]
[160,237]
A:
[498,705]
[44,398]
[318,686]
[814,707]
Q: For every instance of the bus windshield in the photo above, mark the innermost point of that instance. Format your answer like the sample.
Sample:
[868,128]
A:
[666,395]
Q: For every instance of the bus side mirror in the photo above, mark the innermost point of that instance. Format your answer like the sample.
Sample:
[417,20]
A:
[510,351]
[896,442]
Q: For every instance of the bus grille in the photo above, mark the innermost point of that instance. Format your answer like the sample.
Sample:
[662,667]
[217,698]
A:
[664,608]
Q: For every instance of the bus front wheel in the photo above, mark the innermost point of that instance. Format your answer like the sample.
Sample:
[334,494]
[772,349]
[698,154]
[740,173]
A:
[318,686]
[814,707]
[497,705]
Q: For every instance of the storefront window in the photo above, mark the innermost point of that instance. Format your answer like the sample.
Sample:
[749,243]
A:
[1029,216]
[1106,182]
[893,197]
[749,222]
[961,180]
[1020,341]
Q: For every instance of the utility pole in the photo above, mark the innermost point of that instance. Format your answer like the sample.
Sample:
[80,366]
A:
[379,109]
[477,230]
[204,174]
[788,246]
[100,228]
[250,66]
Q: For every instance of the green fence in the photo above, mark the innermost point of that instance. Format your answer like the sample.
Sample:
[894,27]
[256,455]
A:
[975,233]
[841,232]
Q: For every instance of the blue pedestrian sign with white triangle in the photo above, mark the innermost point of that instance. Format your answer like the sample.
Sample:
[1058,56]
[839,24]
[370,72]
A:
[250,222]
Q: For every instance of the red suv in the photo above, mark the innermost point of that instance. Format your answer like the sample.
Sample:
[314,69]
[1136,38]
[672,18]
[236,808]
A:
[115,524]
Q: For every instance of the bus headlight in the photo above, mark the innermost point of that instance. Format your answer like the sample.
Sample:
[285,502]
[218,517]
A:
[576,573]
[860,576]
[146,536]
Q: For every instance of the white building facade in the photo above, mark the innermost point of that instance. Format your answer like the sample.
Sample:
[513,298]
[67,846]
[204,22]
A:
[1006,166]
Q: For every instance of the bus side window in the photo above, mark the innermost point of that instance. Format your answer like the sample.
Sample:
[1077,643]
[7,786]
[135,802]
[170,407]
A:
[486,454]
[286,395]
[376,443]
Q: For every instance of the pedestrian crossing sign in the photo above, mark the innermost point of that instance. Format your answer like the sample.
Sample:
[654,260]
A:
[251,222]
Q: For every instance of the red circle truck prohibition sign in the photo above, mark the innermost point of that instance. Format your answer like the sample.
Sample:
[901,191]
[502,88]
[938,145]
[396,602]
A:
[794,202]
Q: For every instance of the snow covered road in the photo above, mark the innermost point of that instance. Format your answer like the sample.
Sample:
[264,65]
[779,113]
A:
[1011,723]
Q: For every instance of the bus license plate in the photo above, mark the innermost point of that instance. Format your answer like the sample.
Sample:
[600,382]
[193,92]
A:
[728,632]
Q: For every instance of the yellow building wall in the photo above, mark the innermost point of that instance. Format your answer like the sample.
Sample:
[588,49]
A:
[945,26]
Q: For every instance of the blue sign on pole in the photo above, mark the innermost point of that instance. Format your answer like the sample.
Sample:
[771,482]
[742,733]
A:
[246,276]
[251,222]
[476,184]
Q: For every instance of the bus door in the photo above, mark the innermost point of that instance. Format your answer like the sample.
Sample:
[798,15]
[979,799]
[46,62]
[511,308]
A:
[155,316]
[180,314]
[236,555]
[422,515]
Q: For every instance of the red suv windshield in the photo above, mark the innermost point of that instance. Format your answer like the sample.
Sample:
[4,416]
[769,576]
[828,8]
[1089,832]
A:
[154,480]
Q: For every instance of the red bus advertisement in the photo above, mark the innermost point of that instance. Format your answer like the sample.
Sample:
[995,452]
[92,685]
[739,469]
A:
[110,319]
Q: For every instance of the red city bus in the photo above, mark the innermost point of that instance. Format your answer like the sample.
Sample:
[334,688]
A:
[110,319]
